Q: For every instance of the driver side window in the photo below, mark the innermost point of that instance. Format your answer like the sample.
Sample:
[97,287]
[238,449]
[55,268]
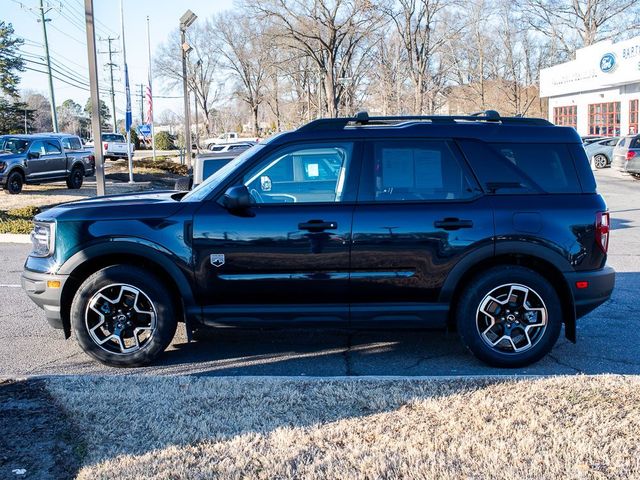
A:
[313,173]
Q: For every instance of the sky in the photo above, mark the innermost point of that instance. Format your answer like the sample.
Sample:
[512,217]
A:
[68,46]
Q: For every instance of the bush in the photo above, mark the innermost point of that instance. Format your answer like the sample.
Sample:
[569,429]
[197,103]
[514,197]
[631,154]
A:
[164,141]
[18,220]
[163,163]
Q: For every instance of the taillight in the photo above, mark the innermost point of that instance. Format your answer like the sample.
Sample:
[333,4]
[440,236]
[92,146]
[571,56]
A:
[602,230]
[630,154]
[92,160]
[104,146]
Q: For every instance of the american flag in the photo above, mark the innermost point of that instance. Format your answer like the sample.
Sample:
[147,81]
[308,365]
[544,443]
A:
[149,111]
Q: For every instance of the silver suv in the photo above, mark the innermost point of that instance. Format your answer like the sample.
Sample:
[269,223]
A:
[626,154]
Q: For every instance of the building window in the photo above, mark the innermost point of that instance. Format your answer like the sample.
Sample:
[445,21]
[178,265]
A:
[633,117]
[604,119]
[566,116]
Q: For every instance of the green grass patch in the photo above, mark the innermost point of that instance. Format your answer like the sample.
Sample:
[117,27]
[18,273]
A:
[17,220]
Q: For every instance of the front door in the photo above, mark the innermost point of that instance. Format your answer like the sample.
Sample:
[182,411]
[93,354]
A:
[419,212]
[287,257]
[36,162]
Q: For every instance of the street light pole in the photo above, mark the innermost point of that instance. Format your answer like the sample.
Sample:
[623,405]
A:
[185,21]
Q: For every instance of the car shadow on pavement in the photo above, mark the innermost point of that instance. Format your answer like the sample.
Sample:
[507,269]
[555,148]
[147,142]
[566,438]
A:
[608,342]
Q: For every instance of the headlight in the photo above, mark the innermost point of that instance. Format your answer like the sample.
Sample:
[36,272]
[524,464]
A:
[43,238]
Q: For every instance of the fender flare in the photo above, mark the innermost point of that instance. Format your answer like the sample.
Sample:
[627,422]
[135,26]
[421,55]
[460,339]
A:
[134,246]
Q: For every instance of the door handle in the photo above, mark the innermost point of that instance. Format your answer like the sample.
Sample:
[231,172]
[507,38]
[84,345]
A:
[317,225]
[452,224]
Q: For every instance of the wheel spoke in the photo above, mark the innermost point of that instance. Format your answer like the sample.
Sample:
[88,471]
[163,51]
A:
[511,318]
[117,316]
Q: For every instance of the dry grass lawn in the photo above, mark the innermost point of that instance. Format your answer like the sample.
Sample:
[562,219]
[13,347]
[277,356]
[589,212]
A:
[187,427]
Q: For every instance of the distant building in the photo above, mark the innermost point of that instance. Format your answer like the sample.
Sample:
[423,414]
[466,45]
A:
[598,92]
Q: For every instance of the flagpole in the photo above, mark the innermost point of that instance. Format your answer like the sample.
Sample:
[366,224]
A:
[153,133]
[127,121]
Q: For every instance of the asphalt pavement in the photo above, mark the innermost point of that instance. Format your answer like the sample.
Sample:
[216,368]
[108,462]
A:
[608,338]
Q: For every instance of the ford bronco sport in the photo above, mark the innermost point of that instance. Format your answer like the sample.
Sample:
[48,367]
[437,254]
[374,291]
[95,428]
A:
[484,224]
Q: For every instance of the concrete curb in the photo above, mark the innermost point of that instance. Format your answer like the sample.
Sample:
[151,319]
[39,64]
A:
[14,238]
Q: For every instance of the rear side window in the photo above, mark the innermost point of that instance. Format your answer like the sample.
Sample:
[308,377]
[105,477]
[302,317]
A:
[209,167]
[635,142]
[549,165]
[52,147]
[413,170]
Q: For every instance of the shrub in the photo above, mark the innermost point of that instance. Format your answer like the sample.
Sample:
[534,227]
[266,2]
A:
[18,220]
[164,141]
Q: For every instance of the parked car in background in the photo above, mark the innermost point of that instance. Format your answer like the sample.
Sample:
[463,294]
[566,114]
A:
[628,148]
[600,152]
[229,137]
[114,146]
[589,139]
[206,164]
[34,159]
[228,147]
[486,224]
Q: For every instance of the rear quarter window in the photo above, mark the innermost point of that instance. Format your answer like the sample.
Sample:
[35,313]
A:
[549,165]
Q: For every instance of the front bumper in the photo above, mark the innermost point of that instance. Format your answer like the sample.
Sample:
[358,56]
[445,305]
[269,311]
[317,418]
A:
[599,289]
[37,286]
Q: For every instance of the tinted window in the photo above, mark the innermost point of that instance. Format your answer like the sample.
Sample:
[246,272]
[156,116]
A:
[112,137]
[38,147]
[66,144]
[301,174]
[413,171]
[549,165]
[209,167]
[15,145]
[52,147]
[74,143]
[635,142]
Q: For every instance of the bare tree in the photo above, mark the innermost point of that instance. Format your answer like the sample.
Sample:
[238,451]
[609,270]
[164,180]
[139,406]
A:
[202,66]
[424,29]
[591,20]
[329,32]
[243,50]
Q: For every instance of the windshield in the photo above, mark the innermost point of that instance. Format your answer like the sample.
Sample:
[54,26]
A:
[112,137]
[15,145]
[206,187]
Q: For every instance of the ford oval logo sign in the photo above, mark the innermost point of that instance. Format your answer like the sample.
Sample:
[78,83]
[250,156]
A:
[608,62]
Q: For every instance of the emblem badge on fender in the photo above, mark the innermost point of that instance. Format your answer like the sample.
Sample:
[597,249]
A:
[217,259]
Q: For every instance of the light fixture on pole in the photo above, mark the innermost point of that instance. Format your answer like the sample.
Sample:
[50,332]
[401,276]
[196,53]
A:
[185,22]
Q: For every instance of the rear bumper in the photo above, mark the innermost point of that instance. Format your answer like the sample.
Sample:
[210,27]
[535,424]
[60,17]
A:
[599,289]
[46,297]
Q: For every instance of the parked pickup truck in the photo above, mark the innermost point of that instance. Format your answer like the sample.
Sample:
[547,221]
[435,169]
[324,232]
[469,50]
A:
[228,137]
[114,146]
[34,159]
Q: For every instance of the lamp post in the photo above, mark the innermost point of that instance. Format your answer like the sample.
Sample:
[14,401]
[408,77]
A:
[195,100]
[185,22]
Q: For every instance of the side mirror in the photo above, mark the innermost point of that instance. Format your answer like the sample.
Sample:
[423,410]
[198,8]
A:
[31,155]
[236,198]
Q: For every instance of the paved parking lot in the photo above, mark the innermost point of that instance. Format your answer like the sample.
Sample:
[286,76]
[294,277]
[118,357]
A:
[608,339]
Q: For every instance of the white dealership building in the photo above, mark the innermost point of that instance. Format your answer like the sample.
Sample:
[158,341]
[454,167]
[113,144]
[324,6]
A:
[598,92]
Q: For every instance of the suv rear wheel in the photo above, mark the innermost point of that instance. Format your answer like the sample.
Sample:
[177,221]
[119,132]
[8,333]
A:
[123,316]
[600,161]
[509,316]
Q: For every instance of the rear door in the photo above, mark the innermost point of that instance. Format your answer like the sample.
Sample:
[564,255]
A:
[419,212]
[55,160]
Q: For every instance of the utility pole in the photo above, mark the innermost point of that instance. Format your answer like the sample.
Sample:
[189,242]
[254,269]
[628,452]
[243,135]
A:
[185,22]
[43,20]
[112,66]
[95,98]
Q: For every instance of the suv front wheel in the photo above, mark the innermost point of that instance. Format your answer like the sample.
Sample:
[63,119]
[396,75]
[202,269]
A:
[509,316]
[123,316]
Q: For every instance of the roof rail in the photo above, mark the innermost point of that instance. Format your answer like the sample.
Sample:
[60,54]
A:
[363,119]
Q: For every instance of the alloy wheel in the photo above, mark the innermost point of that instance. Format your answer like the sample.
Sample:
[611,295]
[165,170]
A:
[121,319]
[512,318]
[600,161]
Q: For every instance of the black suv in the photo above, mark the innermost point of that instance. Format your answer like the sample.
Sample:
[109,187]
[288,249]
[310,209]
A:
[485,224]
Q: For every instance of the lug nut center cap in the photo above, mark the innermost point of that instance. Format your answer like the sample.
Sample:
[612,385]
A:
[511,317]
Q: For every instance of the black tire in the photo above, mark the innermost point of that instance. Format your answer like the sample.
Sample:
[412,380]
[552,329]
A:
[467,314]
[600,161]
[15,182]
[75,178]
[159,299]
[184,183]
